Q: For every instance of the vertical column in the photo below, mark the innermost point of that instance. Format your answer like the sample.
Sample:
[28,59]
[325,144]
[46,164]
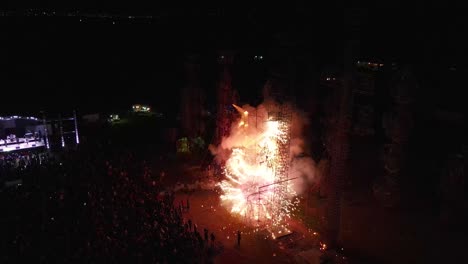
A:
[339,146]
[61,131]
[44,122]
[77,137]
[224,95]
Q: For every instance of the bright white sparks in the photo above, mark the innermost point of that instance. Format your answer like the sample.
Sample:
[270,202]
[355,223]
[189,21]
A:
[251,185]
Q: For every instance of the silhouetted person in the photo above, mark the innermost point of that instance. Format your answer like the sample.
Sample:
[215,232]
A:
[190,224]
[188,204]
[205,231]
[212,239]
[238,238]
[200,240]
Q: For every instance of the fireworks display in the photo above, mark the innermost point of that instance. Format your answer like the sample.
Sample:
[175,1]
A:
[256,186]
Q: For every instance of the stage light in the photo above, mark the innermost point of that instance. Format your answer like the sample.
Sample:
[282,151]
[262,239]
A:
[77,137]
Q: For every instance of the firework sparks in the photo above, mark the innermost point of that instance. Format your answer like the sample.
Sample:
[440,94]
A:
[254,187]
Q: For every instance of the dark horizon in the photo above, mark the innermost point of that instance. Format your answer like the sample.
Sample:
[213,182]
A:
[56,62]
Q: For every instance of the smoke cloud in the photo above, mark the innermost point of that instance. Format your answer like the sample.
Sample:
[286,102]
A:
[245,132]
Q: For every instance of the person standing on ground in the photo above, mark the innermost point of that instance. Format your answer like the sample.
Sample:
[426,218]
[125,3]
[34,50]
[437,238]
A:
[238,237]
[205,231]
[212,239]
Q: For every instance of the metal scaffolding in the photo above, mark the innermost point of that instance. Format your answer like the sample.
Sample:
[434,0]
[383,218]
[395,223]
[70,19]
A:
[54,129]
[278,201]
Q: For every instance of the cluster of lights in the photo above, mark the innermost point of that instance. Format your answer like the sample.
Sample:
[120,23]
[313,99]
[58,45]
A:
[330,79]
[258,57]
[372,65]
[114,118]
[18,117]
[141,108]
[323,246]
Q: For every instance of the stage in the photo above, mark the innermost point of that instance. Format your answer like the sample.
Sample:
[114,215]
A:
[21,144]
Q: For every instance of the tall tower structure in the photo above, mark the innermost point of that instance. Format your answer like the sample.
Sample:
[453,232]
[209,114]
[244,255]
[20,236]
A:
[339,145]
[226,96]
[192,100]
[398,123]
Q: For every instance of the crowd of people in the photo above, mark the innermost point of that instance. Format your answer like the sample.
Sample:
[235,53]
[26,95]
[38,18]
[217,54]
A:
[15,164]
[94,206]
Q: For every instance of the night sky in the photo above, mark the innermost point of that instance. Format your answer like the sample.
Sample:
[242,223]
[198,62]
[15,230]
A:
[57,62]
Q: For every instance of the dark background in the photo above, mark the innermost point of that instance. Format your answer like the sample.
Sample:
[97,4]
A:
[104,63]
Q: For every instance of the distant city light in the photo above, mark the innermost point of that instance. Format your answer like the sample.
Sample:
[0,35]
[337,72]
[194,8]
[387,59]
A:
[141,108]
[371,65]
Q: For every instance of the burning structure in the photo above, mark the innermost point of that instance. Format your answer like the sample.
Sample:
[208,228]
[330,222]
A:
[261,155]
[257,184]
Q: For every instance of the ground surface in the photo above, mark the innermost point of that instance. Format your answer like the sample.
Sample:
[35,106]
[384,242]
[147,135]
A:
[370,232]
[256,246]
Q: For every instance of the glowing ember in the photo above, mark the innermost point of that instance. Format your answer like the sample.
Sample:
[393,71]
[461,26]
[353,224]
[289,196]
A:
[256,185]
[323,246]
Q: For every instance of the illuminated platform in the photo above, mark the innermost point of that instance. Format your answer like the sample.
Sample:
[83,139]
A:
[279,232]
[22,144]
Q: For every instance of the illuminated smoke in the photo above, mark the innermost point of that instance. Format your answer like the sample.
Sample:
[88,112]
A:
[251,159]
